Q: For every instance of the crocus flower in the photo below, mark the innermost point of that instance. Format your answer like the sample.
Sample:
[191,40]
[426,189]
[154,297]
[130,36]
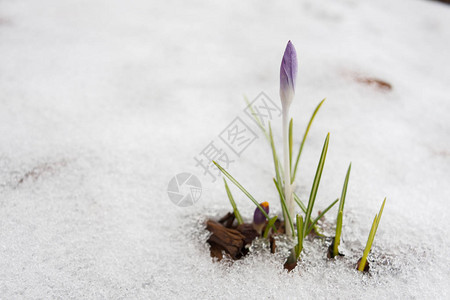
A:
[288,75]
[258,217]
[259,220]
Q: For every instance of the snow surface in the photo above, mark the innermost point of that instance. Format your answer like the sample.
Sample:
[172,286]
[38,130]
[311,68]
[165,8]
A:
[103,102]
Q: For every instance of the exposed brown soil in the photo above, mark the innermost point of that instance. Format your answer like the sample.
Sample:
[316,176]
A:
[366,267]
[330,251]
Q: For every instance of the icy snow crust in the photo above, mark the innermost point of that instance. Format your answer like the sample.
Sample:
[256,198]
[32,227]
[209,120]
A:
[103,102]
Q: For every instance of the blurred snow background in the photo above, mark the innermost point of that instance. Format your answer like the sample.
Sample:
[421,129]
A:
[103,102]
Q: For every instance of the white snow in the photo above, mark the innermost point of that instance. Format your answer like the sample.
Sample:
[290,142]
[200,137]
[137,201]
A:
[103,102]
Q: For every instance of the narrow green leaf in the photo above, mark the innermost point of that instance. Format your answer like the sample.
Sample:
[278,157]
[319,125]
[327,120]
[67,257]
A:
[257,119]
[300,237]
[304,139]
[259,123]
[362,263]
[339,221]
[379,214]
[261,126]
[237,214]
[315,186]
[299,202]
[344,188]
[337,238]
[276,162]
[277,181]
[231,178]
[372,234]
[320,216]
[303,208]
[290,144]
[283,206]
[269,224]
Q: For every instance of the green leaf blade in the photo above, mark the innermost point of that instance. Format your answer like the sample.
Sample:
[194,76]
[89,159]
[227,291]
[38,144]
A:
[315,186]
[256,117]
[283,206]
[362,263]
[290,144]
[299,202]
[237,214]
[231,178]
[344,188]
[320,216]
[337,238]
[300,236]
[269,225]
[294,173]
[339,220]
[371,238]
[276,161]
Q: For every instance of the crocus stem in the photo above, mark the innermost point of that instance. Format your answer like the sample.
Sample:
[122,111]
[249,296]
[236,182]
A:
[287,173]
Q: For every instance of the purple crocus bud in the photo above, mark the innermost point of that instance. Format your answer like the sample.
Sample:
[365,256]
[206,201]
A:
[258,216]
[288,75]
